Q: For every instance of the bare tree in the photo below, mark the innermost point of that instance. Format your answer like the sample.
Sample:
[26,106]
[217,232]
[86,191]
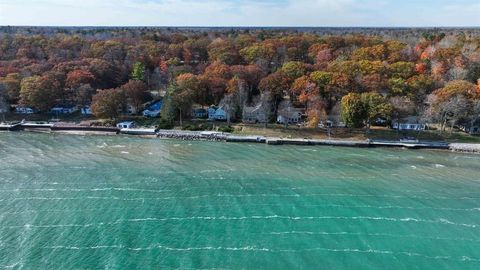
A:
[3,106]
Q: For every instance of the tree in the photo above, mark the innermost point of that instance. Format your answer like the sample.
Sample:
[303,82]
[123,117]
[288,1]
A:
[78,77]
[375,106]
[40,92]
[223,50]
[293,70]
[108,103]
[138,72]
[361,109]
[401,107]
[3,105]
[177,102]
[276,84]
[353,110]
[11,86]
[83,94]
[402,70]
[135,92]
[454,88]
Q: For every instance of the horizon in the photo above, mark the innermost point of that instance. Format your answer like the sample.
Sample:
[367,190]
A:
[241,13]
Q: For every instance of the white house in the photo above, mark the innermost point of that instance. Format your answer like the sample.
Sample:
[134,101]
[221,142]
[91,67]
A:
[288,114]
[409,126]
[126,125]
[25,110]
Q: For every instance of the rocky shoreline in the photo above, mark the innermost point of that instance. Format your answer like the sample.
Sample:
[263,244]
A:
[228,137]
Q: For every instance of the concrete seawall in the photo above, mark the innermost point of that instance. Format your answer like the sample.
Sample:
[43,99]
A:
[227,137]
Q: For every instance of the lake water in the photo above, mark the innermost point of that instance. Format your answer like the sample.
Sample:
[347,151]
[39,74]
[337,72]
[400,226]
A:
[98,202]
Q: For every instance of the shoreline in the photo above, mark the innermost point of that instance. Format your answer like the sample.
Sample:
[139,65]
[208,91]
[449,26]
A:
[235,138]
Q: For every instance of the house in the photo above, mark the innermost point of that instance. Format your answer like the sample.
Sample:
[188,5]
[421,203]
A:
[154,109]
[86,110]
[256,114]
[199,113]
[25,110]
[292,117]
[63,110]
[126,125]
[287,114]
[409,126]
[217,114]
[472,128]
[131,110]
[409,123]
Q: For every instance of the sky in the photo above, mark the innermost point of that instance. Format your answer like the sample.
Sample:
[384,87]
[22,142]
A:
[388,13]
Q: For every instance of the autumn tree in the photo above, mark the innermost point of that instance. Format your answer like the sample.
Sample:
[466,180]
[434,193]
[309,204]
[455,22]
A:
[41,92]
[138,72]
[375,105]
[11,86]
[223,50]
[277,85]
[78,77]
[293,70]
[361,109]
[108,103]
[353,110]
[135,92]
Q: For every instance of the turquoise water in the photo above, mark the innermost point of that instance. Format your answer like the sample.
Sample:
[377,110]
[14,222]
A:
[72,202]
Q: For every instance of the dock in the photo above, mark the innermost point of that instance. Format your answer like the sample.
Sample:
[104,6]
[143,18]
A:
[138,131]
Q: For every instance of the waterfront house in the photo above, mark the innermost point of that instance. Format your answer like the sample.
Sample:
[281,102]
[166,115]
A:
[63,110]
[409,123]
[25,110]
[127,124]
[256,114]
[217,114]
[154,109]
[409,126]
[199,113]
[289,115]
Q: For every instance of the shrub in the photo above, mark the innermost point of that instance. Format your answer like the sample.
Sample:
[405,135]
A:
[228,129]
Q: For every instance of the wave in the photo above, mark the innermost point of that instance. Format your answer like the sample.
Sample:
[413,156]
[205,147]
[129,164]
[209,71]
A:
[441,221]
[254,248]
[374,234]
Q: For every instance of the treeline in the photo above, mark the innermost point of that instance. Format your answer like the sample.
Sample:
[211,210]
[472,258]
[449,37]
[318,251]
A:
[361,77]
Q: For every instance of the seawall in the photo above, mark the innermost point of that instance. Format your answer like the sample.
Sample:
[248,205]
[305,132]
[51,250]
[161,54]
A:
[232,138]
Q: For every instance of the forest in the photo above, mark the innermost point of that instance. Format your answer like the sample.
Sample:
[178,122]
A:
[357,77]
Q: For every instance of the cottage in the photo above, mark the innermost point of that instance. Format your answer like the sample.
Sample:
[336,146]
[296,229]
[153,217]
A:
[199,113]
[409,123]
[63,110]
[126,125]
[409,126]
[256,114]
[154,109]
[289,115]
[25,110]
[217,114]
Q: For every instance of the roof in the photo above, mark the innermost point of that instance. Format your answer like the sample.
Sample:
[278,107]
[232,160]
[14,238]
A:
[126,123]
[156,106]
